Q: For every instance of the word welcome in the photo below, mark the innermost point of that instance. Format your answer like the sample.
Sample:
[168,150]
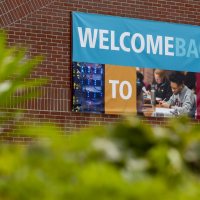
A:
[138,43]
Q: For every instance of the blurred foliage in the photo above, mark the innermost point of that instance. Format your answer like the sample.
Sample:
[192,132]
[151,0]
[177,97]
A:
[126,161]
[15,85]
[129,160]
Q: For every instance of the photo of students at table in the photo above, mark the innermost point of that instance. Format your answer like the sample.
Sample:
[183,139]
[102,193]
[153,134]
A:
[183,99]
[166,93]
[161,86]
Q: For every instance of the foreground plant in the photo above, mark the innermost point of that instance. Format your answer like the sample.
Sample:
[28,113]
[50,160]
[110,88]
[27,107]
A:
[128,160]
[15,84]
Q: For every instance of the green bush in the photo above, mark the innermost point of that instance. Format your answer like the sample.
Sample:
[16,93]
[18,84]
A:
[15,84]
[126,161]
[129,160]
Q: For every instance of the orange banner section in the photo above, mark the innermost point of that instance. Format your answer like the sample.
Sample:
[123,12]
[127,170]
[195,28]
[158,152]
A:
[120,89]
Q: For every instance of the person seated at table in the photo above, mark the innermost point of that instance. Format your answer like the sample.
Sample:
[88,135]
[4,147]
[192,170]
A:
[162,85]
[139,85]
[183,100]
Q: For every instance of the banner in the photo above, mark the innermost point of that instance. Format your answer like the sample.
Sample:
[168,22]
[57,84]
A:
[124,65]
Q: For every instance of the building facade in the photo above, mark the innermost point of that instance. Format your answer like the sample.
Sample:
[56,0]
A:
[44,28]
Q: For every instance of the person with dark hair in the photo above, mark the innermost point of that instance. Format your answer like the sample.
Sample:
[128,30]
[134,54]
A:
[140,78]
[183,99]
[139,85]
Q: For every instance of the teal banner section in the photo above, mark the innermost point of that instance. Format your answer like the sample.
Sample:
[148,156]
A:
[124,41]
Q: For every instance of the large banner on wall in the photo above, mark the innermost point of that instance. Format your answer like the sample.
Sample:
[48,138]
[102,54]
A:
[124,65]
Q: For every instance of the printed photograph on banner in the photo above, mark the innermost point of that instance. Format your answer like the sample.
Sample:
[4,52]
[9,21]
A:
[149,92]
[166,93]
[88,87]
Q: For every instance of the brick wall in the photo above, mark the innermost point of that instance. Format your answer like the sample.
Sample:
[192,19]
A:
[43,27]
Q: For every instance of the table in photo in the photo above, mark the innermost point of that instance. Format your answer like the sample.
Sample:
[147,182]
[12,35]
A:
[157,111]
